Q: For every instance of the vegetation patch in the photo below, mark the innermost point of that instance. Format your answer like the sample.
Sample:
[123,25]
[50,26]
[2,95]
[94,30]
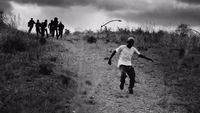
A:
[28,83]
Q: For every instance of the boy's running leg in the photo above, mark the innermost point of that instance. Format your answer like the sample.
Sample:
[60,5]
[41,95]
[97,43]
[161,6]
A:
[123,76]
[131,74]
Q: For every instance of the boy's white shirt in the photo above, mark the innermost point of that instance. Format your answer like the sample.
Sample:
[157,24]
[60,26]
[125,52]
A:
[125,55]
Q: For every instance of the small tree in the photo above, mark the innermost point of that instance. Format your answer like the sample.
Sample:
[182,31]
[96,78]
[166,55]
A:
[183,30]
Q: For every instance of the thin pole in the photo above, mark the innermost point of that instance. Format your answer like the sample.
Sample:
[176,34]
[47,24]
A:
[109,22]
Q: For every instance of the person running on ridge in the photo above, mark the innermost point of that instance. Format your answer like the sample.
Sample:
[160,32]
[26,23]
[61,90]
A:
[51,27]
[55,27]
[60,29]
[44,28]
[30,25]
[37,27]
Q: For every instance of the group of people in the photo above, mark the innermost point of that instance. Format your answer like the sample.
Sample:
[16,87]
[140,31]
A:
[55,28]
[126,51]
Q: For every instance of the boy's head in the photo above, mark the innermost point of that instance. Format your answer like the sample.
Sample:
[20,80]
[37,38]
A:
[130,42]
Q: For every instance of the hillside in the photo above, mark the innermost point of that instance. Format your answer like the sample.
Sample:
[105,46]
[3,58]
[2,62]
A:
[160,87]
[72,75]
[32,77]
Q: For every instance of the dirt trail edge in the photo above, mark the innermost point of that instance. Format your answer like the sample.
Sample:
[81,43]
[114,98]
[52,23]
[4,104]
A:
[99,83]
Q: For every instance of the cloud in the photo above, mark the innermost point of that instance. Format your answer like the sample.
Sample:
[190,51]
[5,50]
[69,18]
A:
[161,12]
[74,18]
[167,15]
[194,2]
[109,5]
[4,5]
[116,5]
[60,3]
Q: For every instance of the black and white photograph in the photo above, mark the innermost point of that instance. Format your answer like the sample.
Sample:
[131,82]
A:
[99,56]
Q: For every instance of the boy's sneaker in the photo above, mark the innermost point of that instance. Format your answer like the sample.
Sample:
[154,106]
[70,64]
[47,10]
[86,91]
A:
[121,86]
[131,91]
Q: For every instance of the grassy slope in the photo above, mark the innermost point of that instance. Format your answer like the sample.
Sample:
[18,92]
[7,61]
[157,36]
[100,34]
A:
[32,79]
[181,85]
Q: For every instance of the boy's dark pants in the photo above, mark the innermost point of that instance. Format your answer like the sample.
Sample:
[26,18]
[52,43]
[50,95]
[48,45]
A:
[127,70]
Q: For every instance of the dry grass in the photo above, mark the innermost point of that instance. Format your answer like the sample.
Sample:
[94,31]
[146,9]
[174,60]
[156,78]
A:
[180,68]
[30,85]
[28,81]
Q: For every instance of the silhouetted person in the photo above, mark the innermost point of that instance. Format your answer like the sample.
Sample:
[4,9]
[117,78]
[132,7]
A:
[30,25]
[125,62]
[51,27]
[44,28]
[60,29]
[55,25]
[37,27]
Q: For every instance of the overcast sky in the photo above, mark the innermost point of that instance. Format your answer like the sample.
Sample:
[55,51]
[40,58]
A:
[91,14]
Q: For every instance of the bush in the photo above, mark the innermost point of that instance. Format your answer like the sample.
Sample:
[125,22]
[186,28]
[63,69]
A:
[13,43]
[17,41]
[42,41]
[90,39]
[45,68]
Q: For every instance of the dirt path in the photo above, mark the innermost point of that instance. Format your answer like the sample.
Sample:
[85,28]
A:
[99,83]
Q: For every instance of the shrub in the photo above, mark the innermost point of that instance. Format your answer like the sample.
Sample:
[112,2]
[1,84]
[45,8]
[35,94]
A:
[90,39]
[13,43]
[42,41]
[45,68]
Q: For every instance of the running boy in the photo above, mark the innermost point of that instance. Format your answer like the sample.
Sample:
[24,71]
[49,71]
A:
[124,62]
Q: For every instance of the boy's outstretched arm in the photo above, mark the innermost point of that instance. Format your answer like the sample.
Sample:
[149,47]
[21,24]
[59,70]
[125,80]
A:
[142,56]
[109,61]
